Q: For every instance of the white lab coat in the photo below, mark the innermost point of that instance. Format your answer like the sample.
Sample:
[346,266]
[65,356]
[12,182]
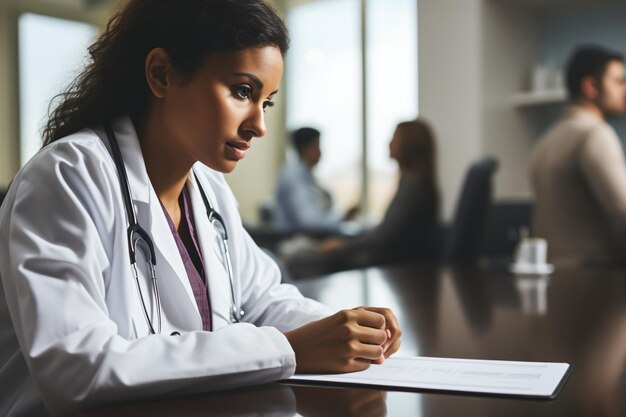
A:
[72,329]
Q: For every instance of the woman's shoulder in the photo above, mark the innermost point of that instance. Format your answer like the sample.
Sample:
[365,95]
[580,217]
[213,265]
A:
[78,148]
[414,191]
[77,158]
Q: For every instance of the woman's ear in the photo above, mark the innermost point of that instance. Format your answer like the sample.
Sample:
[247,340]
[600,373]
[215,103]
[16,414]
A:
[158,68]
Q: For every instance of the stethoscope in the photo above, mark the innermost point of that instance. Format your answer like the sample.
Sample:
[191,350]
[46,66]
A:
[139,238]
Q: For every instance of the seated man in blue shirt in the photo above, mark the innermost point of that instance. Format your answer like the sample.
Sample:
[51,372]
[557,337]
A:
[301,204]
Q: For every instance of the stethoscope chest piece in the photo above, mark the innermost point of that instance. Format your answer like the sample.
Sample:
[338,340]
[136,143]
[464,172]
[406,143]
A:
[237,314]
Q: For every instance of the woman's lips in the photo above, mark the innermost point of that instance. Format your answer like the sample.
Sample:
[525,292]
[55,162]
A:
[237,150]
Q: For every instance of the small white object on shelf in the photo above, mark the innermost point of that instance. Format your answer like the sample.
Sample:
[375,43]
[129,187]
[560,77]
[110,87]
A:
[531,269]
[534,98]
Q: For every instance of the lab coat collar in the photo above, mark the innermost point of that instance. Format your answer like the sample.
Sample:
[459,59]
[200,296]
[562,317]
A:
[150,215]
[131,150]
[219,283]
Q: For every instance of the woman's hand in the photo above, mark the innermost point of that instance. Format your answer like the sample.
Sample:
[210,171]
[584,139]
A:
[392,344]
[347,341]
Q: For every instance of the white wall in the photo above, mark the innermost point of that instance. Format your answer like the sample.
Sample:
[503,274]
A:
[449,36]
[511,44]
[474,56]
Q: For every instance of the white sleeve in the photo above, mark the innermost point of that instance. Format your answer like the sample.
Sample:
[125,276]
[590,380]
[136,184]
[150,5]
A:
[54,268]
[267,302]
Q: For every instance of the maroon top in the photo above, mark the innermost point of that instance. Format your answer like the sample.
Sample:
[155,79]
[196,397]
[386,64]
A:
[192,257]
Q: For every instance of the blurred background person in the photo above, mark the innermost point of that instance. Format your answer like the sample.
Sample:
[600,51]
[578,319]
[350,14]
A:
[301,203]
[409,229]
[577,169]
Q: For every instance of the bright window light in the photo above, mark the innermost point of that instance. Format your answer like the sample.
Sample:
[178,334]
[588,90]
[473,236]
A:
[324,90]
[51,52]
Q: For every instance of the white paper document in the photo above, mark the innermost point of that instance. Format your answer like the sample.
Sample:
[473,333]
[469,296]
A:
[528,379]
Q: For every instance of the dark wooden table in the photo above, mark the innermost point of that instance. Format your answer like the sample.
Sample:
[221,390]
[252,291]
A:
[576,316]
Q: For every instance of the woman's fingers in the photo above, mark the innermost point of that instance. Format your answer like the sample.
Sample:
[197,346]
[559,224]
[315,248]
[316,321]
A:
[368,318]
[365,351]
[370,336]
[366,334]
[392,344]
[393,348]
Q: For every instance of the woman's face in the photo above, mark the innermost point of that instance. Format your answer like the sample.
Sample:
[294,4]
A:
[394,146]
[214,116]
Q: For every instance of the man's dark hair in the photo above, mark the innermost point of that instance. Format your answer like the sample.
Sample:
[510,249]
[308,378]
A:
[588,60]
[303,137]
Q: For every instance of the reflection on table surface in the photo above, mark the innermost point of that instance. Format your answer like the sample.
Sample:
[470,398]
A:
[276,400]
[576,316]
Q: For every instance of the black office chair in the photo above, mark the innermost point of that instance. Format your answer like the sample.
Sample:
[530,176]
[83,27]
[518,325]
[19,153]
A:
[266,211]
[506,220]
[464,239]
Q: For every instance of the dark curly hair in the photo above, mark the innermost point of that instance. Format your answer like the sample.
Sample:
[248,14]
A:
[114,84]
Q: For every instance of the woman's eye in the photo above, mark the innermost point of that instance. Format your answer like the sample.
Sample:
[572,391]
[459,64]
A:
[267,104]
[242,92]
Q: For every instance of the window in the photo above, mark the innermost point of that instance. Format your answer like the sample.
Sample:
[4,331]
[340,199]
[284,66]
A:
[325,90]
[51,52]
[391,90]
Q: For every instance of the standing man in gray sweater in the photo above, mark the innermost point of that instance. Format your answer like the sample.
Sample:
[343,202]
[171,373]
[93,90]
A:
[577,169]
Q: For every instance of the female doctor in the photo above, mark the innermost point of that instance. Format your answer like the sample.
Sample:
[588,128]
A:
[125,269]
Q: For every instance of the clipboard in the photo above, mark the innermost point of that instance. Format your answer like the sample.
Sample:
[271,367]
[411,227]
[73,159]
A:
[536,380]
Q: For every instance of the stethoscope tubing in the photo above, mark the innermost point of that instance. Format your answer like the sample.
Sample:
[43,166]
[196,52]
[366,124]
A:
[214,217]
[138,237]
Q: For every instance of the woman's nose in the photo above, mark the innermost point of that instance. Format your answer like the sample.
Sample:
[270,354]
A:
[255,123]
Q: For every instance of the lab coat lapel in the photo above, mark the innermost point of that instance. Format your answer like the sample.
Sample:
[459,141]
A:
[177,300]
[133,159]
[218,281]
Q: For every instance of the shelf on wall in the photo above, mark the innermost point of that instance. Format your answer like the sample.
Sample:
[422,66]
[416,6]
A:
[537,98]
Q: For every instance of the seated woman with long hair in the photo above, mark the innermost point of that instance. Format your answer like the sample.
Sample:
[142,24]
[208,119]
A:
[409,227]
